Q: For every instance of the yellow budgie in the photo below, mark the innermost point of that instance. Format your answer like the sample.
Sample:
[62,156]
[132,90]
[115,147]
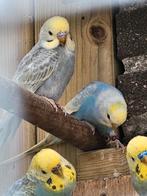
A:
[137,161]
[49,174]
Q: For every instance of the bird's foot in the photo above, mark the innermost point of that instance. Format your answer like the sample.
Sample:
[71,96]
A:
[118,144]
[115,142]
[91,127]
[63,109]
[56,106]
[52,103]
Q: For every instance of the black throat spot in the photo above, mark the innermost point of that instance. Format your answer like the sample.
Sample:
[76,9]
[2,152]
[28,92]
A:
[49,181]
[137,169]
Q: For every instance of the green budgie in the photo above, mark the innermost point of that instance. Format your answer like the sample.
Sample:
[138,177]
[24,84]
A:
[49,174]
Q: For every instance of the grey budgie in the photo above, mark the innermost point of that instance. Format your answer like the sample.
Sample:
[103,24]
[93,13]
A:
[45,70]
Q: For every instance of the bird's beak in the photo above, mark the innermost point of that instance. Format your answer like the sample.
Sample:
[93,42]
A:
[62,37]
[114,126]
[58,171]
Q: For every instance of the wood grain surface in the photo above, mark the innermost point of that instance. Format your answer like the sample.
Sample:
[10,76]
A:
[120,186]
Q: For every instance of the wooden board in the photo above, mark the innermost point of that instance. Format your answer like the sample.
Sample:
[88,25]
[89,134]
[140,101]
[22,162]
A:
[101,164]
[121,186]
[16,39]
[94,57]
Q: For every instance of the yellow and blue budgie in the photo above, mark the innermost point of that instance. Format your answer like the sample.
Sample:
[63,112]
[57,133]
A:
[137,161]
[49,174]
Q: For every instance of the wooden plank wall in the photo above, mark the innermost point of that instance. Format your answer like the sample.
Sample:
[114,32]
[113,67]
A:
[94,61]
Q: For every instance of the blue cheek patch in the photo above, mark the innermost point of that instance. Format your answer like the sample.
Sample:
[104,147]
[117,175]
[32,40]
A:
[141,155]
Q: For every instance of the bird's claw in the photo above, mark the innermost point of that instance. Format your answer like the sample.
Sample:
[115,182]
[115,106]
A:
[115,142]
[56,106]
[52,103]
[63,109]
[118,144]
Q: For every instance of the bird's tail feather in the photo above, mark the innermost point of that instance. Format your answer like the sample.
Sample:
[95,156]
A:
[8,126]
[46,142]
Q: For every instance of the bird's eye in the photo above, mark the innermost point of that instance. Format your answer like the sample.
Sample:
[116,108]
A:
[108,116]
[44,172]
[50,33]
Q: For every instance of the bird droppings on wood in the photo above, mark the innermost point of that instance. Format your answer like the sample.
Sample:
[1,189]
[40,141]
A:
[116,174]
[102,156]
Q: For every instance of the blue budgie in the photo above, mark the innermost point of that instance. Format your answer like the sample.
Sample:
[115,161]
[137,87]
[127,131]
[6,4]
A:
[45,70]
[101,105]
[49,174]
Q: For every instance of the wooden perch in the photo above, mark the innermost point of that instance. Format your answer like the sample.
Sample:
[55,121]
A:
[39,111]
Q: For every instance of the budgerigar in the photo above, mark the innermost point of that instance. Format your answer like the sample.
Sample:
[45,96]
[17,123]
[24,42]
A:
[49,174]
[101,105]
[45,70]
[137,161]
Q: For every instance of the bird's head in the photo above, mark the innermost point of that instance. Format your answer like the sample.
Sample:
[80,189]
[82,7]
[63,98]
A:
[54,32]
[116,114]
[112,107]
[49,169]
[137,156]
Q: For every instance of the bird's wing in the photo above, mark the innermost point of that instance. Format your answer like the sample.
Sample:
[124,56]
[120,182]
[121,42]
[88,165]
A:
[74,104]
[36,67]
[22,187]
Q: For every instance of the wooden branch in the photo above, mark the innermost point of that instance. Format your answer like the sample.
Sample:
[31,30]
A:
[38,111]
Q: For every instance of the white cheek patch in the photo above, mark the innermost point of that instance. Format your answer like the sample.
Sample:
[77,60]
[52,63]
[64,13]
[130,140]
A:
[50,45]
